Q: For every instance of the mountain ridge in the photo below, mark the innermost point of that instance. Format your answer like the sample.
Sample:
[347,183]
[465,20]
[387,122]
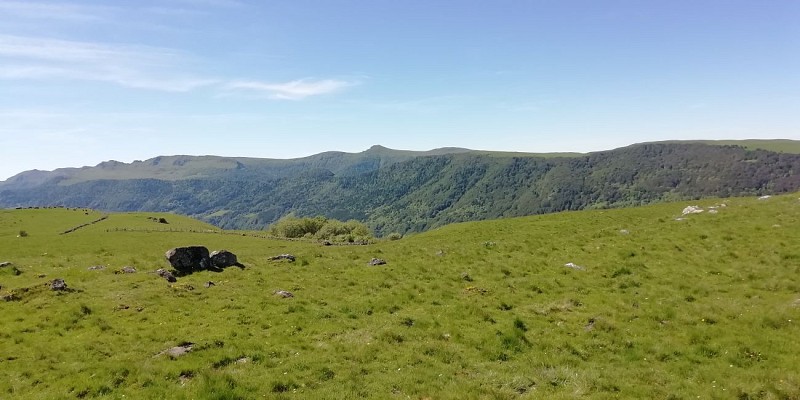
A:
[411,194]
[337,162]
[174,167]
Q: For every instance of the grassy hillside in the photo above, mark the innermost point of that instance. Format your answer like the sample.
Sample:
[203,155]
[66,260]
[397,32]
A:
[659,305]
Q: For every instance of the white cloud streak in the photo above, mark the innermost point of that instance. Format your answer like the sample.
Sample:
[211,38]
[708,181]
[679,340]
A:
[56,11]
[129,66]
[140,67]
[293,90]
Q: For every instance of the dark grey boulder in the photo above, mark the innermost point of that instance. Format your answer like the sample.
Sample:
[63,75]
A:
[189,259]
[223,259]
[58,285]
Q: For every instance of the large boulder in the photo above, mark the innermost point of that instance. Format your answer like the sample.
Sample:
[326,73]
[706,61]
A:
[189,259]
[223,258]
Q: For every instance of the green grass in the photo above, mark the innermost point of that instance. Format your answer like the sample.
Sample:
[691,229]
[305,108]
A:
[704,307]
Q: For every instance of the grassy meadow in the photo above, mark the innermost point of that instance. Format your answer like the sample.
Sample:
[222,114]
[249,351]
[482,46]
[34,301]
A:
[655,305]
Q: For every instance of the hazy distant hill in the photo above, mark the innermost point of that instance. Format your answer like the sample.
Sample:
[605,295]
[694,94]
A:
[404,191]
[179,167]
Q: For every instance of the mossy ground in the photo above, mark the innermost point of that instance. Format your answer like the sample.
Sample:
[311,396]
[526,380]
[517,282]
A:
[708,307]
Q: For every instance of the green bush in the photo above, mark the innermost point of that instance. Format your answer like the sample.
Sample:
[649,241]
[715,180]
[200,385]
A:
[321,228]
[394,236]
[293,227]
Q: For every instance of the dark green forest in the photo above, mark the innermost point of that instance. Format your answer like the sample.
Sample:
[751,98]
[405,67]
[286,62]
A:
[422,192]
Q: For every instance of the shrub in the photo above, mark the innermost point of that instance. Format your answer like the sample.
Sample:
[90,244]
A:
[293,227]
[321,228]
[23,234]
[394,236]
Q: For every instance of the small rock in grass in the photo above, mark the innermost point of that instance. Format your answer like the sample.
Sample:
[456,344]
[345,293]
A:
[473,289]
[185,378]
[624,231]
[764,197]
[288,257]
[284,294]
[96,268]
[128,270]
[178,351]
[209,284]
[377,261]
[692,210]
[166,275]
[5,264]
[58,285]
[573,266]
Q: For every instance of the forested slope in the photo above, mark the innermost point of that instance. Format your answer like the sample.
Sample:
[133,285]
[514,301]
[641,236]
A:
[429,191]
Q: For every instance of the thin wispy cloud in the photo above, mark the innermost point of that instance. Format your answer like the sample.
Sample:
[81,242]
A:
[211,3]
[56,11]
[79,52]
[26,58]
[135,66]
[293,90]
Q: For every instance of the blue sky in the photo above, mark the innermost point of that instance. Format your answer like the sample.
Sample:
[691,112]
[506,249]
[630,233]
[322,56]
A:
[88,81]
